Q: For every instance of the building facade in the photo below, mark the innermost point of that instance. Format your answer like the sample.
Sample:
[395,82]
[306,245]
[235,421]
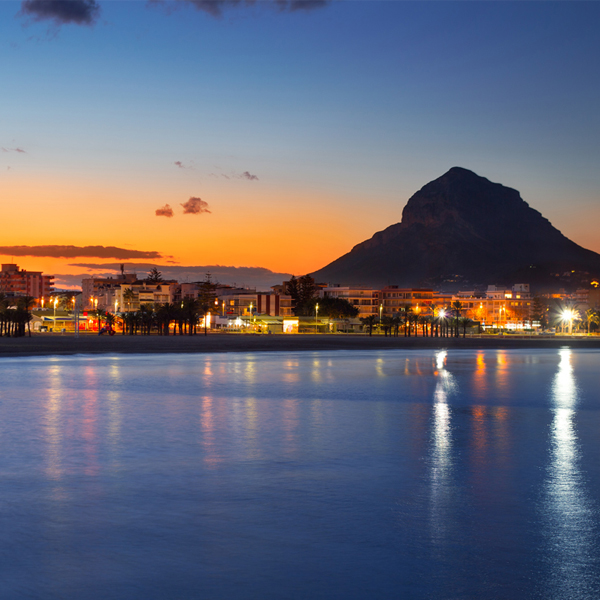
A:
[19,282]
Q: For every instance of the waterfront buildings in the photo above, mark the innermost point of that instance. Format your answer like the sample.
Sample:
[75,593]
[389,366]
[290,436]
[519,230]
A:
[19,282]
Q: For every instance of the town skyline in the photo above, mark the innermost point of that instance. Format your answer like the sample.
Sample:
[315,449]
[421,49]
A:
[279,139]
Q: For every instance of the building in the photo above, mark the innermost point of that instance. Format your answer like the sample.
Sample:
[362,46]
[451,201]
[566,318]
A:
[364,298]
[498,308]
[392,300]
[97,287]
[274,305]
[19,282]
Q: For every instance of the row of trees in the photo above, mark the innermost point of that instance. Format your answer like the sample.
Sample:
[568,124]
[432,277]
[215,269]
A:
[437,325]
[304,301]
[550,313]
[158,317]
[15,315]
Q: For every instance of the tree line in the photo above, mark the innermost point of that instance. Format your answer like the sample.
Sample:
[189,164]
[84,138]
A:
[15,315]
[444,322]
[186,316]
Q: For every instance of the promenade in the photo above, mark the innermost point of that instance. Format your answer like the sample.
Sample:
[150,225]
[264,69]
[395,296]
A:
[49,344]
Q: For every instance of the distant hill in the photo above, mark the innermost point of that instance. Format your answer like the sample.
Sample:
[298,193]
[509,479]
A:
[463,230]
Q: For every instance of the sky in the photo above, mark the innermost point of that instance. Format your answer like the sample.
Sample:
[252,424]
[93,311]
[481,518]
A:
[280,134]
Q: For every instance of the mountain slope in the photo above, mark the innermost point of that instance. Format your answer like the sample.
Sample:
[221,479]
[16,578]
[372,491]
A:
[462,228]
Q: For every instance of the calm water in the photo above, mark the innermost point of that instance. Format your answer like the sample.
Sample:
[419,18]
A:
[397,474]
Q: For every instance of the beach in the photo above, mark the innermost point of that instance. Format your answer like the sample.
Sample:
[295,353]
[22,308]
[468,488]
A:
[59,344]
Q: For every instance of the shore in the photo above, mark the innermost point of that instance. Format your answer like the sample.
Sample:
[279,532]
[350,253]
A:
[49,344]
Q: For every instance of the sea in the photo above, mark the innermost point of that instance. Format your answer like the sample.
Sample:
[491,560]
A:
[396,474]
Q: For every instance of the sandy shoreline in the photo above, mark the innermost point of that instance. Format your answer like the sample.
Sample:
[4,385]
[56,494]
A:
[48,344]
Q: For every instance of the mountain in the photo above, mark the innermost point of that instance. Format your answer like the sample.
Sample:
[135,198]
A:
[462,229]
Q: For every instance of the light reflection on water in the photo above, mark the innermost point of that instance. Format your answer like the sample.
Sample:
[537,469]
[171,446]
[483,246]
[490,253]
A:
[441,458]
[450,474]
[571,527]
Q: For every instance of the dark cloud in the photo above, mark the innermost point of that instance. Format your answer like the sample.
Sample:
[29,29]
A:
[293,5]
[19,150]
[254,277]
[195,206]
[75,251]
[165,211]
[250,177]
[216,7]
[62,12]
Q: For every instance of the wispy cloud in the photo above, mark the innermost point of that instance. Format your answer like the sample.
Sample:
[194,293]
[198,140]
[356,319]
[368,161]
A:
[195,206]
[62,12]
[256,277]
[19,150]
[165,211]
[54,251]
[234,175]
[217,7]
[87,12]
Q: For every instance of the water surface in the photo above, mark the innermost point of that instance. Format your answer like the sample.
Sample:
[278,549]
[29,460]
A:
[459,475]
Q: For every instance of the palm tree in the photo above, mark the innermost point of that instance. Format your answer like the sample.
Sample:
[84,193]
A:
[100,314]
[406,314]
[423,320]
[4,303]
[592,315]
[24,306]
[396,322]
[369,322]
[387,324]
[128,297]
[465,322]
[457,307]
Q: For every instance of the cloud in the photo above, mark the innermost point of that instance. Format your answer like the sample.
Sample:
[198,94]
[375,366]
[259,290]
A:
[19,150]
[86,12]
[253,277]
[62,12]
[216,7]
[195,206]
[53,251]
[165,211]
[246,175]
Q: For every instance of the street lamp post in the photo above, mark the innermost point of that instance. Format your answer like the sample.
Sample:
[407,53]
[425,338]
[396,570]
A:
[316,317]
[54,321]
[75,324]
[380,315]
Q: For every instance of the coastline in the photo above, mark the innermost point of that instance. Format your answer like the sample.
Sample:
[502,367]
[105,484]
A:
[52,345]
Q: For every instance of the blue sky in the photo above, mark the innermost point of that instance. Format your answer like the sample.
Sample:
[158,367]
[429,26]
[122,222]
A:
[343,111]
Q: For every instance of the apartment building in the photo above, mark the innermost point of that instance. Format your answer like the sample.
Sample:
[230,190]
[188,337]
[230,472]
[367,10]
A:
[364,298]
[394,299]
[19,282]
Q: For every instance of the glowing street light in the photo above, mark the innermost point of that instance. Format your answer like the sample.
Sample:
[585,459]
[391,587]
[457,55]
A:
[568,315]
[54,320]
[316,316]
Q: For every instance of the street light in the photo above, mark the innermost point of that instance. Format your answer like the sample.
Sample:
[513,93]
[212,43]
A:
[568,316]
[316,317]
[54,321]
[380,314]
